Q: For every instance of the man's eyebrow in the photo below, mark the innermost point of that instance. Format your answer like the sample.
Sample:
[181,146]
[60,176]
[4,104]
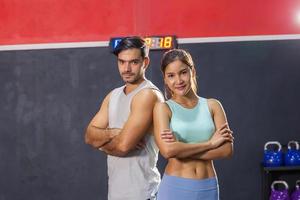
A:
[119,59]
[170,73]
[135,59]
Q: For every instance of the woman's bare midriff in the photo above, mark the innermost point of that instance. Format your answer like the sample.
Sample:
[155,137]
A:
[190,168]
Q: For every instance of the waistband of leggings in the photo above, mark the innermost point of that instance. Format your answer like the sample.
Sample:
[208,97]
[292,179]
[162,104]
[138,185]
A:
[191,184]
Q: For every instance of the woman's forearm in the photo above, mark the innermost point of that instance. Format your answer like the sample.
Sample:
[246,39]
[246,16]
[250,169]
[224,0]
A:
[184,150]
[224,151]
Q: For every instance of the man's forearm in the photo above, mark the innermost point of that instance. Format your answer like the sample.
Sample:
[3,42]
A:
[115,148]
[97,137]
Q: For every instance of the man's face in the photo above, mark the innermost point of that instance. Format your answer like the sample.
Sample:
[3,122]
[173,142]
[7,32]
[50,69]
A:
[132,65]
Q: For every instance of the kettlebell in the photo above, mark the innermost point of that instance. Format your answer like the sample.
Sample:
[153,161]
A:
[296,194]
[279,194]
[273,157]
[292,157]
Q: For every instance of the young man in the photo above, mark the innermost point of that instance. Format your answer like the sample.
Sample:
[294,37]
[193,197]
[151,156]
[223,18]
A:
[123,127]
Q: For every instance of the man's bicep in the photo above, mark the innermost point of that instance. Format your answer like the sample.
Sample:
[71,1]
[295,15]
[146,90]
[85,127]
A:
[94,134]
[100,120]
[139,120]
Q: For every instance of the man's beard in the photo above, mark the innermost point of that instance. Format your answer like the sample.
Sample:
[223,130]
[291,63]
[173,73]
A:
[134,78]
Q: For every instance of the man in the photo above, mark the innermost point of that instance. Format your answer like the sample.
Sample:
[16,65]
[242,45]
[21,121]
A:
[123,127]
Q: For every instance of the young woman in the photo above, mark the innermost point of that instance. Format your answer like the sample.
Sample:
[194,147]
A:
[190,131]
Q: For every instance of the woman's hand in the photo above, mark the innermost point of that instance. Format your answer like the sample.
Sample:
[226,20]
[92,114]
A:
[222,135]
[168,136]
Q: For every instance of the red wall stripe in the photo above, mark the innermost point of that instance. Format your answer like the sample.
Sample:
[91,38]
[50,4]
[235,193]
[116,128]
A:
[53,21]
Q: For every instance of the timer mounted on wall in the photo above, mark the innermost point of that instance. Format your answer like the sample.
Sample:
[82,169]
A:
[153,42]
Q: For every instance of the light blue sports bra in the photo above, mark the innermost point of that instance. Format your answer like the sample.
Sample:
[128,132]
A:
[191,125]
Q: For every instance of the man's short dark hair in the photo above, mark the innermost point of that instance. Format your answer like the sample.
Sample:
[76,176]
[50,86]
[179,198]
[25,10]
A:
[131,43]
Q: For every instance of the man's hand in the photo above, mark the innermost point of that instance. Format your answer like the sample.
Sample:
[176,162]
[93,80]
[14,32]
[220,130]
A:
[141,144]
[113,132]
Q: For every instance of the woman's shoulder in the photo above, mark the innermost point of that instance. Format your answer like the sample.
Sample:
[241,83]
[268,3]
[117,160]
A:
[213,103]
[212,100]
[162,107]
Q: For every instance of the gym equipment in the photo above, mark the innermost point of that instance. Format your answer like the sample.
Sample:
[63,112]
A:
[296,194]
[273,157]
[279,194]
[292,157]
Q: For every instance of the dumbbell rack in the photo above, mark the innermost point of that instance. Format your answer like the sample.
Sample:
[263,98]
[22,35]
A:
[288,173]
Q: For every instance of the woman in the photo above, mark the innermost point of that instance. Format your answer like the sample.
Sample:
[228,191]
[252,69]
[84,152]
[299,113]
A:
[190,132]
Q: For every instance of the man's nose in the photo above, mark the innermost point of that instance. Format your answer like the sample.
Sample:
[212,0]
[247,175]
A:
[127,67]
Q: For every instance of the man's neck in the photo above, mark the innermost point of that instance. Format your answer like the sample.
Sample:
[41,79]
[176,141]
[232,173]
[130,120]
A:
[129,87]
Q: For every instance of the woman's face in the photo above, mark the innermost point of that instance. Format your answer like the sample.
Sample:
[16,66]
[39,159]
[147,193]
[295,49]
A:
[178,78]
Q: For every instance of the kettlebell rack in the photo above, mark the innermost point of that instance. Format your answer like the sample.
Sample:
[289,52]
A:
[269,174]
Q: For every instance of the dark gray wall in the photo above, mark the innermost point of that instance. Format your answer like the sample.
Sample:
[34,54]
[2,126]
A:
[258,84]
[49,96]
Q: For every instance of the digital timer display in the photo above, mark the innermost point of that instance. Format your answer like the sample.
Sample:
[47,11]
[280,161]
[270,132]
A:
[161,42]
[153,42]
